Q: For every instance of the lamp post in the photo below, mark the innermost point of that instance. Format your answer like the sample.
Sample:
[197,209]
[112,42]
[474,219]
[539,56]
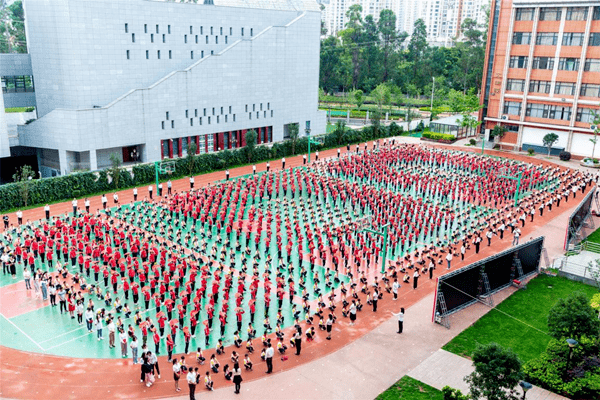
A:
[384,234]
[572,343]
[310,141]
[525,386]
[431,109]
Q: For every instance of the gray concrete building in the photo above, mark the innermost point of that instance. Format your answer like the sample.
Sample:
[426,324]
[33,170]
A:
[141,78]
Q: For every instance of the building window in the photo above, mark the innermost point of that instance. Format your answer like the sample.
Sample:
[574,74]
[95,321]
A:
[200,120]
[596,15]
[128,54]
[592,65]
[202,30]
[184,38]
[216,40]
[202,54]
[546,39]
[512,108]
[572,39]
[550,14]
[515,85]
[524,14]
[196,39]
[191,121]
[594,39]
[543,63]
[264,114]
[167,116]
[157,29]
[535,110]
[209,120]
[126,28]
[251,32]
[173,124]
[268,106]
[158,54]
[163,124]
[229,109]
[212,52]
[196,112]
[152,38]
[225,118]
[205,112]
[257,115]
[191,30]
[577,13]
[249,115]
[145,28]
[211,30]
[242,31]
[585,115]
[213,111]
[164,38]
[221,30]
[221,110]
[217,119]
[260,106]
[225,39]
[169,29]
[192,54]
[568,64]
[233,117]
[133,38]
[170,54]
[518,62]
[187,112]
[230,31]
[590,90]
[521,38]
[253,107]
[206,39]
[246,107]
[566,88]
[147,54]
[271,113]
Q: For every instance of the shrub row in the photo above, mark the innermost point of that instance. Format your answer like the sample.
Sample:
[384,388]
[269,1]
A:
[438,136]
[48,190]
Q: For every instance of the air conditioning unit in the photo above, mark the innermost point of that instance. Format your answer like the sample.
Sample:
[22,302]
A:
[563,99]
[593,127]
[504,117]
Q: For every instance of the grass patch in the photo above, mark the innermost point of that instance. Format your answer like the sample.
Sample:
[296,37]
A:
[594,237]
[18,109]
[410,389]
[532,306]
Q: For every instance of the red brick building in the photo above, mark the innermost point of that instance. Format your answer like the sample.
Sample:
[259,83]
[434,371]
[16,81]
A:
[542,72]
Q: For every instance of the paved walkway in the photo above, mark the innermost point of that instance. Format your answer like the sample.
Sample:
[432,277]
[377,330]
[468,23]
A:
[434,372]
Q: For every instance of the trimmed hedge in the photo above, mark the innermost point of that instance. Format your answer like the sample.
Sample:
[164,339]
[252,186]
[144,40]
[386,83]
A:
[49,190]
[438,136]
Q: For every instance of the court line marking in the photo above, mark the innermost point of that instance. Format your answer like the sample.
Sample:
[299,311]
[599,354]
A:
[26,335]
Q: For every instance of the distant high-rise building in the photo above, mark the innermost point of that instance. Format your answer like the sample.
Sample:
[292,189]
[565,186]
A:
[442,17]
[542,72]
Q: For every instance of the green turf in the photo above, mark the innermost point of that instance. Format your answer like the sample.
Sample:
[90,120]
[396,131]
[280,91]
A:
[594,237]
[519,322]
[410,389]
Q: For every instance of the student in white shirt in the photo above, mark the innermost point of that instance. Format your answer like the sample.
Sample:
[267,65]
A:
[400,316]
[395,287]
[74,204]
[47,211]
[135,193]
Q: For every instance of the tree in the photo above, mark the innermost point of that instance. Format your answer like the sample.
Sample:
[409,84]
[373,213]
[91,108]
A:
[12,29]
[596,123]
[497,373]
[115,169]
[391,39]
[352,36]
[358,98]
[382,95]
[191,157]
[573,317]
[549,140]
[595,302]
[334,70]
[498,131]
[250,143]
[339,132]
[24,175]
[294,131]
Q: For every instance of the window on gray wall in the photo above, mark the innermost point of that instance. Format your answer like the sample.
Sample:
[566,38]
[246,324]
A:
[577,13]
[209,120]
[191,30]
[233,117]
[213,111]
[170,54]
[221,30]
[145,28]
[566,88]
[126,28]
[169,29]
[260,106]
[157,29]
[216,39]
[225,118]
[195,112]
[147,54]
[173,124]
[550,13]
[217,119]
[221,110]
[225,39]
[202,54]
[200,120]
[230,31]
[164,38]
[187,113]
[251,32]
[206,39]
[196,39]
[211,30]
[152,38]
[246,107]
[572,39]
[229,109]
[163,124]
[271,113]
[524,14]
[268,106]
[205,112]
[257,114]
[264,114]
[242,31]
[212,52]
[158,54]
[133,38]
[192,54]
[592,65]
[167,115]
[185,38]
[128,54]
[253,107]
[191,121]
[249,115]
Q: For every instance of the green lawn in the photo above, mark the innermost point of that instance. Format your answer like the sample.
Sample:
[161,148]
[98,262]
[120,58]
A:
[408,388]
[18,109]
[594,237]
[519,322]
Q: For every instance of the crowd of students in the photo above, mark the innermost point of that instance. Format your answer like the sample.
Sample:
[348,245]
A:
[205,262]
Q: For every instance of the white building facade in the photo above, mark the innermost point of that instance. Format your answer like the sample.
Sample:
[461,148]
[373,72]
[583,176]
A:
[141,79]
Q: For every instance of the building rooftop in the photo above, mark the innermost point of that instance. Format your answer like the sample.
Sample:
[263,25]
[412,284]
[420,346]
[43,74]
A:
[284,5]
